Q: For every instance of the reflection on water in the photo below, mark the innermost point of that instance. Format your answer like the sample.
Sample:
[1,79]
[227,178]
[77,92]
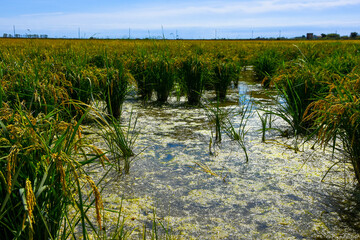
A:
[277,194]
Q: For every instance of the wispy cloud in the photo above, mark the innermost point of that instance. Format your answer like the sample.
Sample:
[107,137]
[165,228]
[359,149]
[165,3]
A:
[280,5]
[35,15]
[225,7]
[203,13]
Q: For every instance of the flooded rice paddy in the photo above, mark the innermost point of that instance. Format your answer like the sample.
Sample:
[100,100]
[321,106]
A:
[213,193]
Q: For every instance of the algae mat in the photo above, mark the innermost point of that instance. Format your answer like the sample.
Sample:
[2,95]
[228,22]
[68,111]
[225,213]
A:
[216,194]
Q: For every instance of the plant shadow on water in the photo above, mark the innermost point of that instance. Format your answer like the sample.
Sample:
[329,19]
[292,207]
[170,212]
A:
[276,194]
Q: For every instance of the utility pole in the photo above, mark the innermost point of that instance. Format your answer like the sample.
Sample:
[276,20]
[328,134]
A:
[215,34]
[14,30]
[252,34]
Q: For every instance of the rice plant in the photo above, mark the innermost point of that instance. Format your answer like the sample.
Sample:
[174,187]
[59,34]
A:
[224,73]
[45,191]
[164,78]
[265,65]
[140,68]
[159,230]
[119,143]
[217,118]
[238,131]
[43,176]
[81,83]
[337,117]
[99,60]
[115,88]
[194,77]
[265,120]
[298,86]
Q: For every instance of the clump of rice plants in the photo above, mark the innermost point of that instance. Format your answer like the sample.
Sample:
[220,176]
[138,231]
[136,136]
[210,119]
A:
[298,86]
[81,83]
[37,85]
[337,117]
[265,65]
[224,73]
[341,63]
[115,88]
[194,77]
[42,168]
[99,61]
[164,77]
[140,68]
[118,142]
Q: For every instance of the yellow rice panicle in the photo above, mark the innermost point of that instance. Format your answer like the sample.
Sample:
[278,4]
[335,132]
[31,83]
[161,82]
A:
[11,163]
[30,201]
[60,168]
[99,152]
[98,201]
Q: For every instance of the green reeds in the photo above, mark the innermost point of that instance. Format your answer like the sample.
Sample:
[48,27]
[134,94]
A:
[220,119]
[119,143]
[238,132]
[265,120]
[217,119]
[159,230]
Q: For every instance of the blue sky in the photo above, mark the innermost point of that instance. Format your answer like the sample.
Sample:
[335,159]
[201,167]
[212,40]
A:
[187,19]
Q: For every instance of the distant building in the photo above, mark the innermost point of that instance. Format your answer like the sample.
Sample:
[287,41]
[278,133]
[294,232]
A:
[309,36]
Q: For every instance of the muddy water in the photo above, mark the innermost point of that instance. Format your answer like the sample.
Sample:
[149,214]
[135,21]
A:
[277,194]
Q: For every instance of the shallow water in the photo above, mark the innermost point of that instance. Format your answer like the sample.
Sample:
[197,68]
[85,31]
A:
[277,194]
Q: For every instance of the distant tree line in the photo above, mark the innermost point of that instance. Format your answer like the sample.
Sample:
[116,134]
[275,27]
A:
[329,36]
[353,35]
[5,35]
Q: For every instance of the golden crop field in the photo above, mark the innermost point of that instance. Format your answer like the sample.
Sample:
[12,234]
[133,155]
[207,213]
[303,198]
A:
[49,88]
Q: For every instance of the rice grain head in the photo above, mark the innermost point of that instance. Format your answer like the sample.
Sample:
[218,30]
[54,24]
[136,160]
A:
[30,201]
[98,200]
[11,162]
